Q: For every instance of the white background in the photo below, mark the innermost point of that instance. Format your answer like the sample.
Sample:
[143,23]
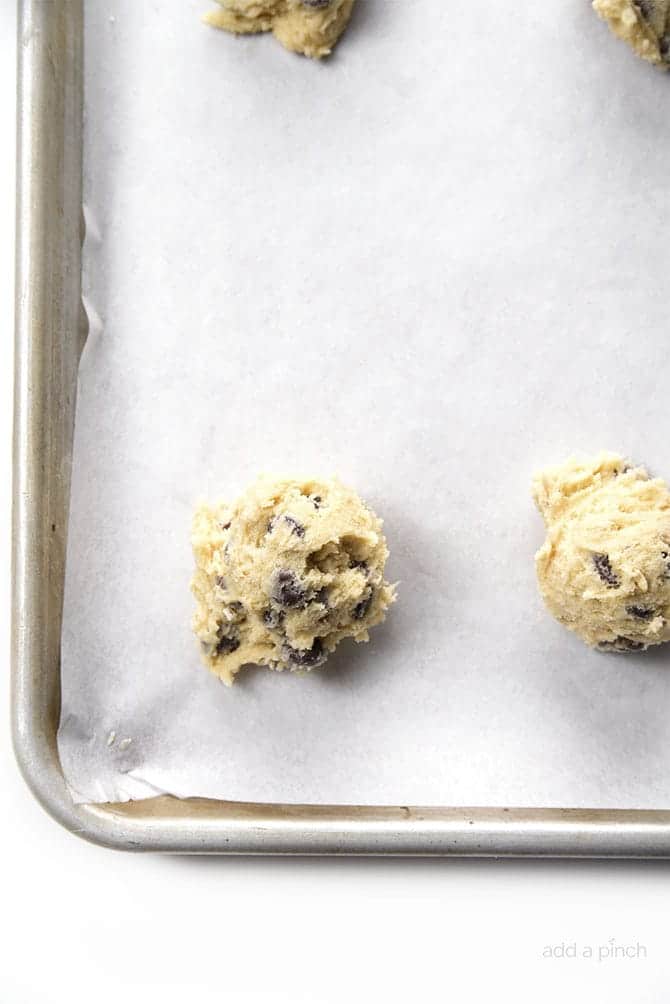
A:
[81,923]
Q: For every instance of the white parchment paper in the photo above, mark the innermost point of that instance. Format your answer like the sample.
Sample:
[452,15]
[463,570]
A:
[430,265]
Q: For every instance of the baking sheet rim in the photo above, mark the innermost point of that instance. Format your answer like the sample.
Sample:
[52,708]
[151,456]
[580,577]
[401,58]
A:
[50,325]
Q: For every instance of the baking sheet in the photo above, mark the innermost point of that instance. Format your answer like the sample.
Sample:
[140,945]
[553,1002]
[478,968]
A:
[430,265]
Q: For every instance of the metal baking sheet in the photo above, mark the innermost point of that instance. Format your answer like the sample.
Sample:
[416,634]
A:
[48,343]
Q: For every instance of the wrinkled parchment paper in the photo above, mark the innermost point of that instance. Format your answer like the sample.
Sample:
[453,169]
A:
[430,265]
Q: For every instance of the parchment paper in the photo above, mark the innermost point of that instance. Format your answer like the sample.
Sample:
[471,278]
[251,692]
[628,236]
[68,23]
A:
[430,265]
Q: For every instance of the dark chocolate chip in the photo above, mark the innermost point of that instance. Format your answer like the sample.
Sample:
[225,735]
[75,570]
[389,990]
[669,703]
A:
[287,589]
[304,658]
[316,501]
[296,527]
[220,581]
[642,613]
[227,644]
[622,644]
[604,569]
[666,572]
[273,618]
[225,526]
[362,607]
[321,596]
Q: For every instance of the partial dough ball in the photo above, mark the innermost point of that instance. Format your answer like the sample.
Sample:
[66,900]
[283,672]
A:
[311,27]
[285,573]
[604,569]
[644,24]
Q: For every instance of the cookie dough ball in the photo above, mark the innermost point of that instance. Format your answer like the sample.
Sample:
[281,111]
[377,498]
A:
[311,27]
[285,573]
[604,570]
[644,24]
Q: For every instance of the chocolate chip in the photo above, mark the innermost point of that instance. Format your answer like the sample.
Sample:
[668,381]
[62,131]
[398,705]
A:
[642,613]
[227,644]
[645,7]
[316,501]
[622,644]
[220,581]
[304,658]
[363,565]
[273,618]
[362,608]
[225,526]
[287,589]
[604,569]
[236,607]
[630,645]
[296,527]
[321,596]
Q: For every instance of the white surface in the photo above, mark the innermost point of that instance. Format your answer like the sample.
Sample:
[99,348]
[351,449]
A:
[427,277]
[143,930]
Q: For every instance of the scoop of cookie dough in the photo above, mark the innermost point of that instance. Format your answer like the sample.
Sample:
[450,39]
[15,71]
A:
[285,573]
[644,24]
[311,27]
[604,569]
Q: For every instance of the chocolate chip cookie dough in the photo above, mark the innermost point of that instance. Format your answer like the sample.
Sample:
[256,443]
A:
[311,27]
[604,569]
[644,24]
[285,573]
